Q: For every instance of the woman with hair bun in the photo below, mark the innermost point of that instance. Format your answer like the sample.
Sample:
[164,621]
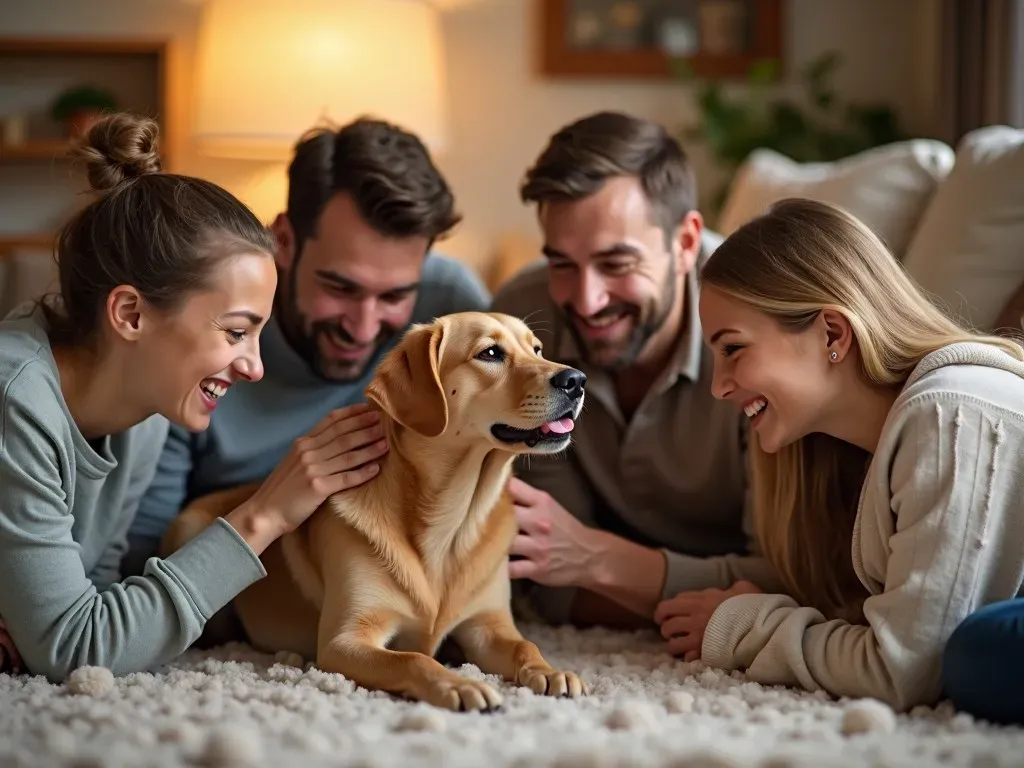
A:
[886,446]
[165,284]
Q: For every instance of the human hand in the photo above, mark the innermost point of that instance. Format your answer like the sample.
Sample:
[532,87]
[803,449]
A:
[557,549]
[337,454]
[684,618]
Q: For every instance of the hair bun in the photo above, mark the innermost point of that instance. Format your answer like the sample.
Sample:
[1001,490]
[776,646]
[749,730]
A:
[118,148]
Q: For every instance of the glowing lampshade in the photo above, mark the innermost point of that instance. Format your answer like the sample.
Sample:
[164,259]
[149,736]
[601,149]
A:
[268,70]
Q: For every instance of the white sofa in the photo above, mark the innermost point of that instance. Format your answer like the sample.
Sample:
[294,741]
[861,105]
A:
[953,216]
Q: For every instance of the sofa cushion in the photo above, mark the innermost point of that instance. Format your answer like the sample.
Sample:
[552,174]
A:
[968,252]
[887,187]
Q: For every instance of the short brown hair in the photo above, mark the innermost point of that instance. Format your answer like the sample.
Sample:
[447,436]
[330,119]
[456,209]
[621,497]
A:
[583,155]
[388,172]
[163,233]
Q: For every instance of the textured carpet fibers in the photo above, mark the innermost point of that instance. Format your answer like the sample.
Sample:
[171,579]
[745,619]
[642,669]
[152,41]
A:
[235,707]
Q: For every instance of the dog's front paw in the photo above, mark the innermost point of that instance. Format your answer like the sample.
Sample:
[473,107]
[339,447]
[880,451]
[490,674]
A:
[551,682]
[464,695]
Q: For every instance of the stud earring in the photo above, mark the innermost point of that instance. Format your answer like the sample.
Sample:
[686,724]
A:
[834,356]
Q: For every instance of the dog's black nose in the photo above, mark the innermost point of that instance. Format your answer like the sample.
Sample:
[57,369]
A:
[571,381]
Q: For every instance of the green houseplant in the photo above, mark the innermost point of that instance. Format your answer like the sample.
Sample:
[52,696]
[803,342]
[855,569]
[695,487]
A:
[821,128]
[79,107]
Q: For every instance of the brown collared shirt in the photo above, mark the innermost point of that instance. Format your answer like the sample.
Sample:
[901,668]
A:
[672,476]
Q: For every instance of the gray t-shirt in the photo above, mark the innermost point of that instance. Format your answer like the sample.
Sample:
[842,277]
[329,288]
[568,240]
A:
[65,507]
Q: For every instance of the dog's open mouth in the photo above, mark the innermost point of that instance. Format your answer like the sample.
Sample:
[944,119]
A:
[553,431]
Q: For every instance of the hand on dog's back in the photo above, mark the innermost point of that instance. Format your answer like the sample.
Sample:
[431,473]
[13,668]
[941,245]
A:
[337,454]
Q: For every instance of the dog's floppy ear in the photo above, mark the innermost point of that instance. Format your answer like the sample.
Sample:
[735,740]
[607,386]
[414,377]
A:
[407,384]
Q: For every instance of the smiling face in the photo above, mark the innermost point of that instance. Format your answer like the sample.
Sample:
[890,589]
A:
[211,342]
[779,378]
[349,291]
[613,274]
[477,377]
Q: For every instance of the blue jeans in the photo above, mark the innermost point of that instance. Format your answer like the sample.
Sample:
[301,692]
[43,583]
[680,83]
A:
[983,664]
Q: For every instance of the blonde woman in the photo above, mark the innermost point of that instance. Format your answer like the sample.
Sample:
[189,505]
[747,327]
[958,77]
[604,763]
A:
[887,475]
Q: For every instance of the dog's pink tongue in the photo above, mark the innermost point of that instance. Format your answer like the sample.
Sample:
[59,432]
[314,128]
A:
[559,427]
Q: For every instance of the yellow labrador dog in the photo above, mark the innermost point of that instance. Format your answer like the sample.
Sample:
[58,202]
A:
[380,574]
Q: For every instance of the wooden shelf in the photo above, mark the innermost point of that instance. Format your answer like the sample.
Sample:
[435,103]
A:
[43,241]
[133,69]
[558,59]
[146,51]
[36,149]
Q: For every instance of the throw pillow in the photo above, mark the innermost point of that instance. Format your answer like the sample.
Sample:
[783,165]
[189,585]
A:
[887,187]
[969,249]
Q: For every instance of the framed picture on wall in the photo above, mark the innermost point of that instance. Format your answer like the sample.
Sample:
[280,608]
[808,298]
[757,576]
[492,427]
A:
[641,38]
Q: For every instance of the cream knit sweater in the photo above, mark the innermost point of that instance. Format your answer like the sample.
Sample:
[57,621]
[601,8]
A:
[939,533]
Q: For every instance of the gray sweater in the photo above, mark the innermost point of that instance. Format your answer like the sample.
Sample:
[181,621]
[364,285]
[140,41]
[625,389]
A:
[65,507]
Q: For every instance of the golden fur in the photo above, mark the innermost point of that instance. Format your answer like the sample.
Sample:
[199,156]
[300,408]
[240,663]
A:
[380,574]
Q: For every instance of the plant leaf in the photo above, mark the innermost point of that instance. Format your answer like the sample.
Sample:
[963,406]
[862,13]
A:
[763,72]
[733,126]
[681,69]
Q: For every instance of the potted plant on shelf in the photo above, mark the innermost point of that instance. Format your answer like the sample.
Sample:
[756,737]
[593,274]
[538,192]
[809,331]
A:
[820,129]
[79,107]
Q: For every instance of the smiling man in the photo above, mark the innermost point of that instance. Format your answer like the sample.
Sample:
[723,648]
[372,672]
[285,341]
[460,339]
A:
[355,263]
[650,500]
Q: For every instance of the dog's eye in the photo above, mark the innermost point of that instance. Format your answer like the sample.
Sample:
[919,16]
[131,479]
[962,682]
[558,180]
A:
[493,354]
[539,350]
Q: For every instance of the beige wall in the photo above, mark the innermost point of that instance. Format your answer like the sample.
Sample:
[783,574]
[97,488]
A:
[501,110]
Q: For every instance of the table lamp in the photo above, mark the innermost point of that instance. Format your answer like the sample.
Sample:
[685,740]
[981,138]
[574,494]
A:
[269,70]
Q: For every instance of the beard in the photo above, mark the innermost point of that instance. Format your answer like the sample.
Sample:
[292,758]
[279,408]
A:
[311,338]
[647,320]
[308,338]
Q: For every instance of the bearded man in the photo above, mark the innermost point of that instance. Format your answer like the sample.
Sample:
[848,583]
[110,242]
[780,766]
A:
[365,207]
[650,500]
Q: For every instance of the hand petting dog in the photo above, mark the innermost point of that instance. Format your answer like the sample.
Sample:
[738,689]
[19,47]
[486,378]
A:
[557,550]
[684,618]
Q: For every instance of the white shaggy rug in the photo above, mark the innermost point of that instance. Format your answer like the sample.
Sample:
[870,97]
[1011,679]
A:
[235,707]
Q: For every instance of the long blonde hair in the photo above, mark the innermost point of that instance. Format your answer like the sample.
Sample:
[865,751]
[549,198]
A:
[794,261]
